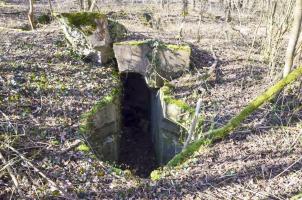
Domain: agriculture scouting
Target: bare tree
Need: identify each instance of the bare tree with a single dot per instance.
(50, 6)
(30, 14)
(185, 9)
(292, 43)
(92, 5)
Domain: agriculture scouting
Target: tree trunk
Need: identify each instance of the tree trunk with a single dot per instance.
(220, 133)
(81, 2)
(290, 52)
(92, 5)
(30, 14)
(185, 9)
(50, 7)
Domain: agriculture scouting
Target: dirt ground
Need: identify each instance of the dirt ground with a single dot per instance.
(45, 87)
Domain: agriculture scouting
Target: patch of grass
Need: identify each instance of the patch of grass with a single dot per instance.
(44, 19)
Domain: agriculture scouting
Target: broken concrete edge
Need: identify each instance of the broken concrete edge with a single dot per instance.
(168, 98)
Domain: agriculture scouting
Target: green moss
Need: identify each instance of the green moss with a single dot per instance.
(155, 175)
(175, 47)
(83, 20)
(83, 148)
(44, 19)
(297, 197)
(133, 42)
(117, 171)
(186, 153)
(166, 90)
(79, 19)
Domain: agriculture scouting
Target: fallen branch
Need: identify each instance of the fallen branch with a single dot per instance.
(220, 133)
(67, 196)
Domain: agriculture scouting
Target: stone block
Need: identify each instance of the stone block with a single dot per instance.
(156, 61)
(91, 34)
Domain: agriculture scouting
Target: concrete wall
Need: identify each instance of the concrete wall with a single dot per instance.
(105, 135)
(165, 132)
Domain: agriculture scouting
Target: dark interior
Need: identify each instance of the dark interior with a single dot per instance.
(136, 150)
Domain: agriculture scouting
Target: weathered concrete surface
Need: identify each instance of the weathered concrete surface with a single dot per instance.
(91, 34)
(174, 60)
(156, 61)
(133, 57)
(166, 132)
(104, 130)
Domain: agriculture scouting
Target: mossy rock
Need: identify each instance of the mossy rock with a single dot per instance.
(81, 19)
(91, 34)
(86, 22)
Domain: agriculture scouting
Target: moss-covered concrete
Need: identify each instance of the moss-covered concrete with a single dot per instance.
(101, 126)
(91, 34)
(168, 98)
(180, 47)
(80, 19)
(133, 42)
(86, 119)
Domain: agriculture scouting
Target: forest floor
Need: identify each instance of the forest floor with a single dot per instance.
(45, 87)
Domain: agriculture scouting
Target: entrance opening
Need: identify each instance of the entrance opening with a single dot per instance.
(136, 148)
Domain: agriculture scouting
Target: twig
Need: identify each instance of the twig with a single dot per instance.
(12, 175)
(287, 168)
(67, 196)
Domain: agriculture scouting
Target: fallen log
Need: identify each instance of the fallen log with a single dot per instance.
(220, 133)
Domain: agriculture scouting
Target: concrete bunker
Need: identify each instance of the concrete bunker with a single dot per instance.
(140, 126)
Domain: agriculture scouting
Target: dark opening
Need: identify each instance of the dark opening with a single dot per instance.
(136, 149)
